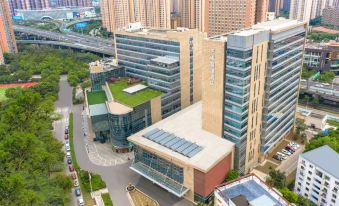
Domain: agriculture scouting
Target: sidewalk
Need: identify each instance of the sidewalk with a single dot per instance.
(101, 153)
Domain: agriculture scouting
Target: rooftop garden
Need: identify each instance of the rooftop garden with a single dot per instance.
(131, 100)
(98, 97)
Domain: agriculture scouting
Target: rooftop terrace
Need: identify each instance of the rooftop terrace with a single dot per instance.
(131, 100)
(253, 190)
(98, 97)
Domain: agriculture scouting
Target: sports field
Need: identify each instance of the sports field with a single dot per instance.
(4, 87)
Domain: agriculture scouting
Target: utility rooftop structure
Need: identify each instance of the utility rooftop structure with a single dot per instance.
(181, 157)
(248, 191)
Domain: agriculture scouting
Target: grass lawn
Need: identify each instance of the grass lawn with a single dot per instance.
(2, 94)
(107, 199)
(98, 97)
(131, 100)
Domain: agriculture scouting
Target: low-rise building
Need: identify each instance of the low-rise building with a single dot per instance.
(331, 16)
(317, 176)
(322, 56)
(181, 157)
(122, 108)
(248, 191)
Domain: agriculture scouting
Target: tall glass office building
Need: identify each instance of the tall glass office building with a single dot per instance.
(261, 69)
(162, 58)
(284, 65)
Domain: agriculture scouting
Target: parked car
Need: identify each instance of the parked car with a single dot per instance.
(76, 183)
(282, 155)
(66, 142)
(71, 168)
(68, 154)
(69, 161)
(292, 147)
(277, 157)
(66, 130)
(66, 137)
(289, 149)
(81, 201)
(77, 192)
(295, 144)
(285, 152)
(74, 175)
(68, 148)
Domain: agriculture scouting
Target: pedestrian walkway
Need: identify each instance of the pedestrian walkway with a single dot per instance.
(101, 153)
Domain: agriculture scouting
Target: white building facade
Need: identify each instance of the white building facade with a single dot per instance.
(317, 177)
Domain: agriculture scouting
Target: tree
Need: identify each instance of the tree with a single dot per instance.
(289, 195)
(276, 179)
(232, 175)
(300, 127)
(302, 201)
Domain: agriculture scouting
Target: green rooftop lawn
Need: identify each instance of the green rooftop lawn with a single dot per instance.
(98, 97)
(131, 100)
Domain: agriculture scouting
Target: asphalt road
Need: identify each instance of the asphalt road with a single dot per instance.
(116, 177)
(63, 107)
(72, 37)
(317, 84)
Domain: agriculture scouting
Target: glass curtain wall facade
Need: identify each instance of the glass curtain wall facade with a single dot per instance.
(237, 88)
(159, 164)
(285, 57)
(140, 57)
(122, 126)
(164, 75)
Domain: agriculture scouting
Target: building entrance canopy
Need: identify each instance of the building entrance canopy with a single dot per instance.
(165, 182)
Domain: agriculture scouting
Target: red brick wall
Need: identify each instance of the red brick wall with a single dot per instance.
(204, 183)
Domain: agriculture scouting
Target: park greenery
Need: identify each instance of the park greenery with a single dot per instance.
(307, 73)
(331, 139)
(45, 25)
(327, 77)
(31, 159)
(93, 28)
(322, 36)
(324, 77)
(45, 60)
(277, 179)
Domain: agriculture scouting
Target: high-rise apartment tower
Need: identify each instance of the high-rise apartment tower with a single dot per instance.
(7, 38)
(150, 13)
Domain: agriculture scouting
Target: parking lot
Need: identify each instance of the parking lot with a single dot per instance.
(287, 165)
